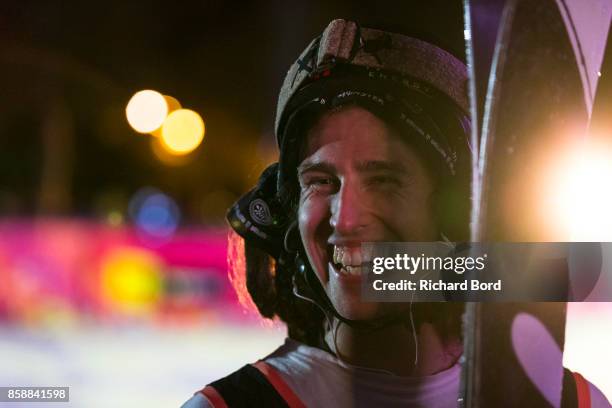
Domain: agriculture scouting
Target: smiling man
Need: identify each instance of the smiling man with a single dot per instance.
(372, 129)
(359, 182)
(373, 135)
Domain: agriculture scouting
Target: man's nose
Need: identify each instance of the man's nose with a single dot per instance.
(348, 215)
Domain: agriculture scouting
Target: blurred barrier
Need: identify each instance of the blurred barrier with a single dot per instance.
(60, 270)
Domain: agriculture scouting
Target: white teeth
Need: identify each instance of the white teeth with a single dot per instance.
(351, 270)
(337, 254)
(349, 258)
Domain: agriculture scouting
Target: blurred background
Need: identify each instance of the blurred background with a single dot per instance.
(113, 244)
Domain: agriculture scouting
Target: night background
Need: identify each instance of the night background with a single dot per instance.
(69, 69)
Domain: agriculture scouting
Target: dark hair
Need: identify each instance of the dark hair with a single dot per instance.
(271, 286)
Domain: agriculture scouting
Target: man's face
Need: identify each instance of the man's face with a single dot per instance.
(359, 182)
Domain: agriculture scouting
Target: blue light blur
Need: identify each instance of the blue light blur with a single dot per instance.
(154, 213)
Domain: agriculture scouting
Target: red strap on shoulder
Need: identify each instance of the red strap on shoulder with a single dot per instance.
(582, 391)
(279, 384)
(216, 400)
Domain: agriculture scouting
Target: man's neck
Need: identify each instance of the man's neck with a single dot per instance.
(393, 349)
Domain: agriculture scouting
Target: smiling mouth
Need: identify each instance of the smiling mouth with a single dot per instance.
(347, 260)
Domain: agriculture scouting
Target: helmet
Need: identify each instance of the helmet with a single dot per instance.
(418, 88)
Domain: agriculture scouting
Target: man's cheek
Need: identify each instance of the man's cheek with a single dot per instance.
(312, 211)
(303, 215)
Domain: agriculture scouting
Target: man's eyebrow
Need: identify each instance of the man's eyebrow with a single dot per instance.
(307, 166)
(381, 165)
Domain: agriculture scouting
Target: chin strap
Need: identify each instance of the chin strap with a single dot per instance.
(319, 298)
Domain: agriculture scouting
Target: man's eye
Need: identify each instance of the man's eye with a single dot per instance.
(322, 181)
(384, 180)
(318, 183)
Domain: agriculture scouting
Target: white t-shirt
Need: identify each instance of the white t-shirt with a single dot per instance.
(321, 380)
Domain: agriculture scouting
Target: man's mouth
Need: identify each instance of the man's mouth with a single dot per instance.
(347, 260)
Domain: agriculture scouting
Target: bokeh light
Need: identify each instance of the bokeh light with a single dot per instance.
(182, 131)
(146, 111)
(581, 193)
(155, 214)
(132, 280)
(172, 104)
